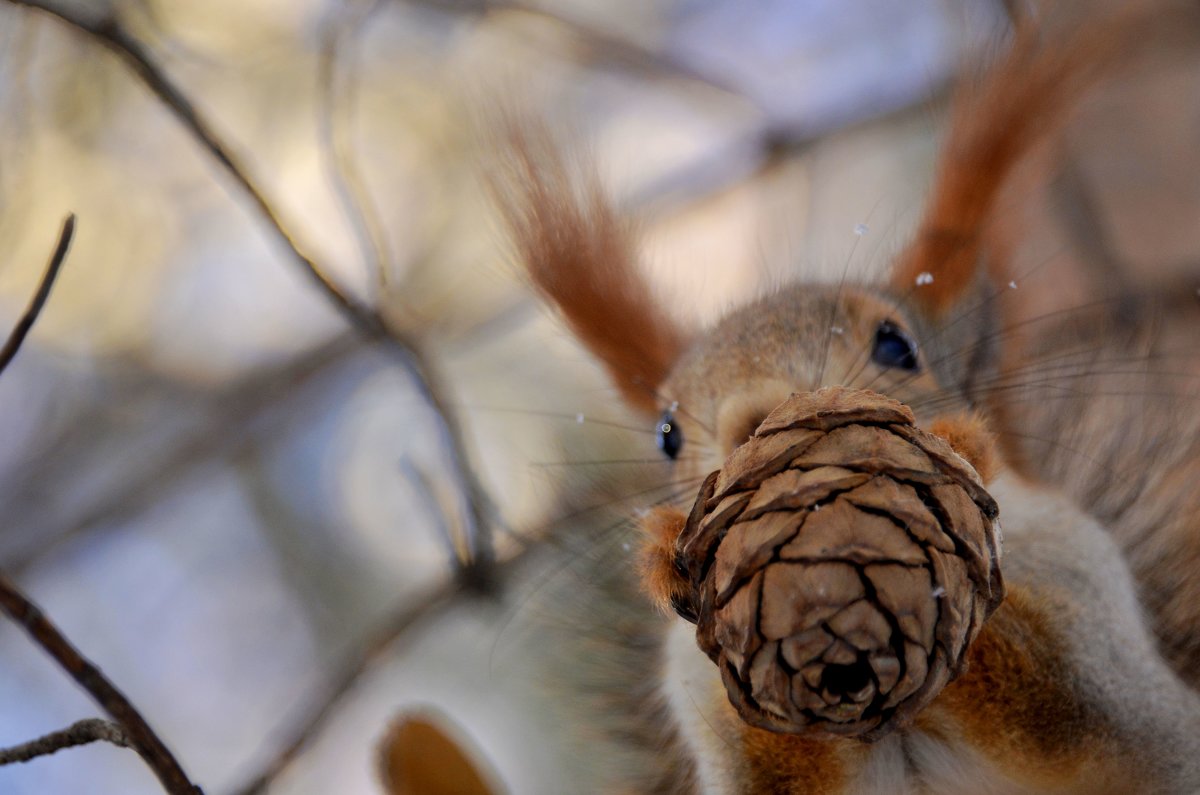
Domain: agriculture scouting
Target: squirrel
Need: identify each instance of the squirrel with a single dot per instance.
(1065, 397)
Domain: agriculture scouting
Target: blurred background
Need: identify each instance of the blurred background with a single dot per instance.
(224, 494)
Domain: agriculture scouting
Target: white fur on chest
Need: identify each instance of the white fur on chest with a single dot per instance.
(914, 762)
(691, 682)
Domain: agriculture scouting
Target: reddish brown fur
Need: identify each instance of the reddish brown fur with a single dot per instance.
(1016, 704)
(971, 438)
(660, 530)
(582, 258)
(789, 764)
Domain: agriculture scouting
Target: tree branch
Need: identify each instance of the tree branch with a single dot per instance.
(21, 329)
(91, 730)
(108, 31)
(142, 738)
(42, 631)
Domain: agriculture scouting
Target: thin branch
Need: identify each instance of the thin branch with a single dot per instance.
(84, 732)
(142, 738)
(42, 631)
(21, 329)
(108, 31)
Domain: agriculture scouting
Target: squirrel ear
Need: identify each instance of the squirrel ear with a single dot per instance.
(1028, 94)
(582, 257)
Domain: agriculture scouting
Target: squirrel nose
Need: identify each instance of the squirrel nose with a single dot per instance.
(739, 414)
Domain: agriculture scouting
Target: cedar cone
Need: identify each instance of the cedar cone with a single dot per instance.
(839, 564)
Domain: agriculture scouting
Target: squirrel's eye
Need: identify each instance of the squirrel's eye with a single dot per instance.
(893, 348)
(668, 436)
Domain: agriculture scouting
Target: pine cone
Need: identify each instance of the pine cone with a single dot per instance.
(840, 564)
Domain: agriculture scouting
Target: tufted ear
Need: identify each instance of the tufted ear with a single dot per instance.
(995, 122)
(582, 258)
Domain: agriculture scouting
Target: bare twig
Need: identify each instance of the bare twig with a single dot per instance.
(90, 730)
(136, 732)
(21, 610)
(108, 31)
(21, 329)
(142, 738)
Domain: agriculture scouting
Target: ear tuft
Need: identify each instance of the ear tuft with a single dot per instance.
(995, 122)
(582, 258)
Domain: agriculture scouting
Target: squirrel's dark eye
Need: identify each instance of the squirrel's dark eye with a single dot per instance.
(893, 348)
(668, 435)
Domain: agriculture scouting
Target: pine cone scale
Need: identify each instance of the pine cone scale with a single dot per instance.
(751, 549)
(826, 410)
(795, 489)
(805, 596)
(901, 502)
(750, 464)
(853, 535)
(870, 450)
